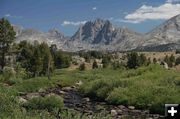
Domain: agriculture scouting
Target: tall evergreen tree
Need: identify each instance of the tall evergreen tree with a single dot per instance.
(7, 36)
(133, 60)
(95, 65)
(105, 61)
(48, 63)
(36, 62)
(177, 61)
(142, 59)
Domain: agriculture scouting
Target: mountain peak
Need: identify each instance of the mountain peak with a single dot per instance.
(102, 35)
(56, 33)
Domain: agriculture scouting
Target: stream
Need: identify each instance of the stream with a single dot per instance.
(74, 100)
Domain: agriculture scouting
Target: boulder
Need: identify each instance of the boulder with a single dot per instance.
(113, 112)
(62, 92)
(131, 107)
(86, 99)
(119, 111)
(165, 65)
(41, 90)
(22, 100)
(67, 88)
(32, 95)
(121, 106)
(50, 94)
(79, 83)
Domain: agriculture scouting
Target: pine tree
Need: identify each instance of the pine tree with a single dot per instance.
(95, 65)
(177, 61)
(7, 36)
(105, 61)
(82, 67)
(48, 64)
(154, 60)
(142, 60)
(172, 58)
(133, 60)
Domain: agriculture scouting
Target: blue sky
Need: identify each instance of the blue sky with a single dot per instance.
(67, 15)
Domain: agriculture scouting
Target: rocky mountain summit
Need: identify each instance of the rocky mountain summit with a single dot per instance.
(53, 36)
(103, 35)
(166, 36)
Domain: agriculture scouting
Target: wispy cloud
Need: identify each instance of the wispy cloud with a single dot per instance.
(12, 16)
(94, 8)
(7, 15)
(66, 23)
(111, 18)
(164, 11)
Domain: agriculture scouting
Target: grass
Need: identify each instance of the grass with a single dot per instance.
(50, 103)
(41, 107)
(34, 84)
(145, 88)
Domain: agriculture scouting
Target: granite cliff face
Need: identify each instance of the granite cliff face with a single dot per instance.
(165, 36)
(102, 35)
(53, 36)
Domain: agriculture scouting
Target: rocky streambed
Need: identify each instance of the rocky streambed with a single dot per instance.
(74, 100)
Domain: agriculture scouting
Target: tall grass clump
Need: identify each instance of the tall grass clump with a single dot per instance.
(52, 103)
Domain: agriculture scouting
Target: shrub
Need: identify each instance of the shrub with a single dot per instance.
(8, 105)
(50, 103)
(144, 87)
(177, 61)
(105, 61)
(34, 84)
(118, 65)
(178, 51)
(82, 67)
(8, 73)
(95, 65)
(170, 60)
(133, 60)
(154, 60)
(62, 59)
(21, 72)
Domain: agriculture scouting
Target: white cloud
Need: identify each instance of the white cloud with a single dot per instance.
(94, 8)
(7, 15)
(65, 23)
(165, 11)
(12, 16)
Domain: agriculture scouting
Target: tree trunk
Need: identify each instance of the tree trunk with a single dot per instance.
(48, 70)
(3, 60)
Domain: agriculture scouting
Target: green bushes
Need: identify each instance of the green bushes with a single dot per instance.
(8, 105)
(61, 59)
(144, 88)
(95, 65)
(8, 73)
(34, 84)
(36, 59)
(170, 60)
(82, 67)
(178, 51)
(50, 103)
(134, 60)
(177, 61)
